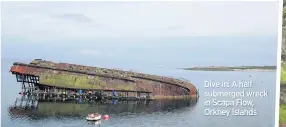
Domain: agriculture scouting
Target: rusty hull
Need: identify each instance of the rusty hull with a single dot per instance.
(86, 77)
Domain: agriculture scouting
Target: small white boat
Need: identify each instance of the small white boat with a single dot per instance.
(93, 117)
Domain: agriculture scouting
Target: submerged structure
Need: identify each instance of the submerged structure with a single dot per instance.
(40, 109)
(47, 76)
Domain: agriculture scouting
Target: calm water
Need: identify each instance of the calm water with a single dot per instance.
(155, 114)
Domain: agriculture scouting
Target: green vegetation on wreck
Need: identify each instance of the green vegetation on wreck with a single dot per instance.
(238, 68)
(78, 82)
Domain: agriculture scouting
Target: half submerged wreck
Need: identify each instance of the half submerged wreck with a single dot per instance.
(47, 76)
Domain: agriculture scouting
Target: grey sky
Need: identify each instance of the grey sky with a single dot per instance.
(75, 20)
(125, 34)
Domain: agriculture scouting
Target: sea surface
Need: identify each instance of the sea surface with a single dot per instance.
(162, 113)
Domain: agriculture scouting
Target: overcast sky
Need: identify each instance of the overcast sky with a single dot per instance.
(61, 20)
(179, 34)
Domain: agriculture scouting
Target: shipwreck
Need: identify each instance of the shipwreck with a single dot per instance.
(58, 79)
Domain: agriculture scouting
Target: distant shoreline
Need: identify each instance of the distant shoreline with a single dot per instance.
(238, 68)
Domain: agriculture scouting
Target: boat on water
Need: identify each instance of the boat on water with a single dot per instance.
(93, 117)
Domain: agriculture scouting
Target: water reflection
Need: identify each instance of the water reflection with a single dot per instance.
(29, 108)
(96, 123)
